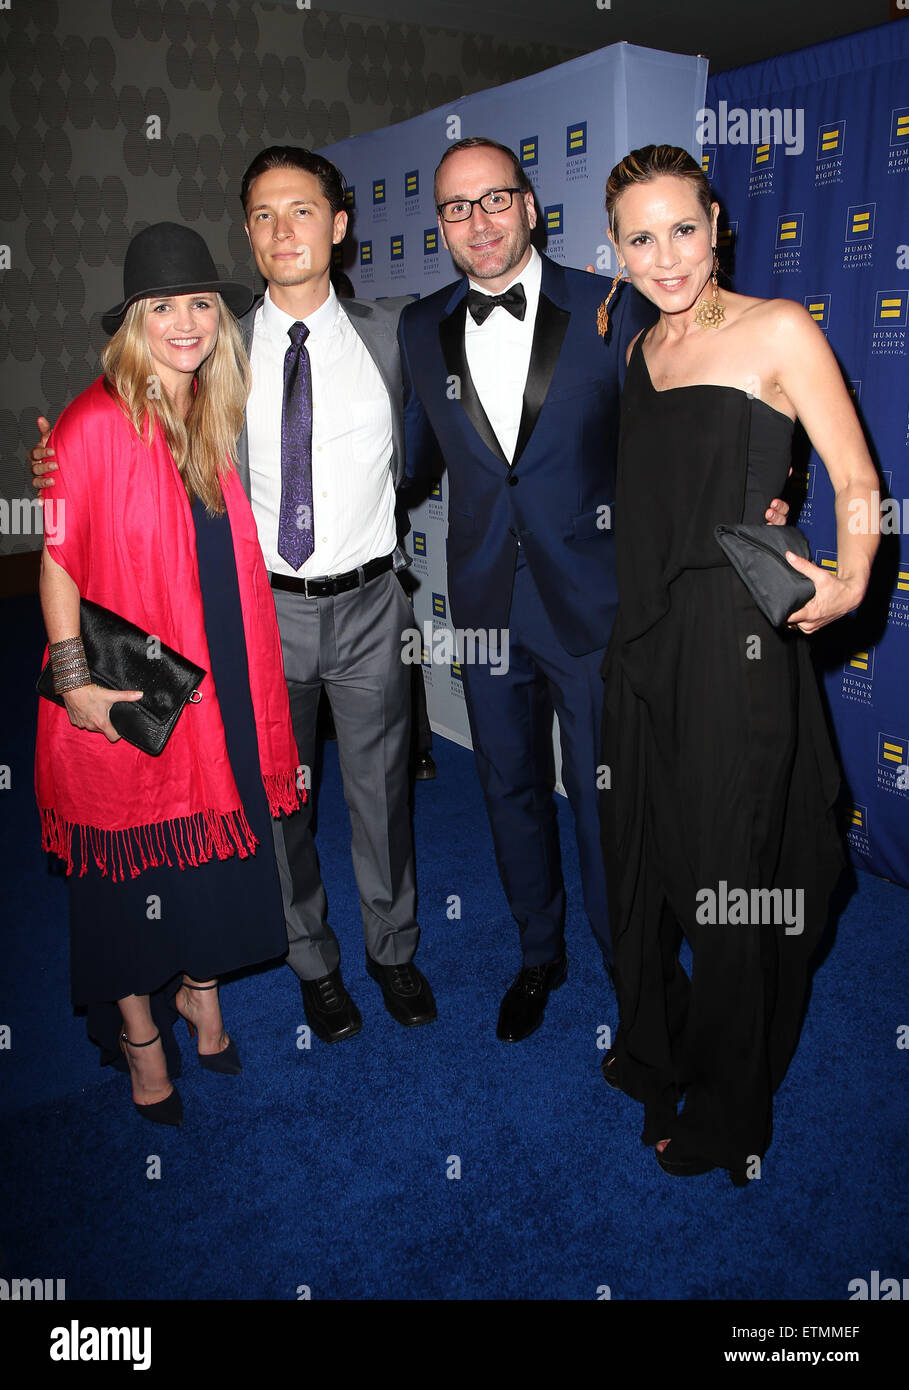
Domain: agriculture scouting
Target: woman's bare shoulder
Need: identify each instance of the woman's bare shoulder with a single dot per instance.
(773, 314)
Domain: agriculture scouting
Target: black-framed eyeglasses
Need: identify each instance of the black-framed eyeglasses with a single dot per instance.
(460, 209)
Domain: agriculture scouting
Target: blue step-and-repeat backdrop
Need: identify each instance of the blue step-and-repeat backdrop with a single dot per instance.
(809, 155)
(817, 209)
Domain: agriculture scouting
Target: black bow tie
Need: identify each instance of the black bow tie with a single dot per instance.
(481, 305)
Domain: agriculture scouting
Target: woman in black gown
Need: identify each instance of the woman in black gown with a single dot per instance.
(173, 877)
(722, 773)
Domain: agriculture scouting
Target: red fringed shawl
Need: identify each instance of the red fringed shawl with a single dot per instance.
(122, 529)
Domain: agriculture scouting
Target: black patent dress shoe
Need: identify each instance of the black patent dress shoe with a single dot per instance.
(330, 1012)
(406, 992)
(424, 767)
(522, 1009)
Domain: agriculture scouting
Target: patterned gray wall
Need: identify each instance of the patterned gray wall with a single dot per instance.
(80, 81)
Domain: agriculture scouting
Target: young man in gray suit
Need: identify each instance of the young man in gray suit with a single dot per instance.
(340, 608)
(320, 456)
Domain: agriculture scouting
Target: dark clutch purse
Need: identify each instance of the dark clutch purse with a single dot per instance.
(119, 656)
(758, 555)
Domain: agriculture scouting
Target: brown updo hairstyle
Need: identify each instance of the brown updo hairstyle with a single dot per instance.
(652, 162)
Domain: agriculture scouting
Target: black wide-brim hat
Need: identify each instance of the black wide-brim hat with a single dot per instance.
(166, 259)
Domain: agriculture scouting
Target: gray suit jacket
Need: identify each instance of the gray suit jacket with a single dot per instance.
(377, 325)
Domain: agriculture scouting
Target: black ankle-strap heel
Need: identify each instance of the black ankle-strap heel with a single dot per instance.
(226, 1063)
(168, 1111)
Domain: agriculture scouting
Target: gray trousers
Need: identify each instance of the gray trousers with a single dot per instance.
(351, 645)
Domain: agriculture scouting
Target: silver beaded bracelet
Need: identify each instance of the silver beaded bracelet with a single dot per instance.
(68, 664)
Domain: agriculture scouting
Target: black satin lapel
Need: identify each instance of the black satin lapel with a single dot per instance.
(451, 336)
(548, 333)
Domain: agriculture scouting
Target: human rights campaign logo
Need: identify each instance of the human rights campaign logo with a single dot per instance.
(576, 138)
(431, 241)
(789, 229)
(726, 236)
(378, 191)
(435, 491)
(350, 197)
(553, 219)
(861, 664)
(803, 481)
(412, 183)
(419, 542)
(529, 151)
(365, 253)
(397, 248)
(858, 678)
(831, 139)
(892, 752)
(860, 222)
(899, 125)
(803, 484)
(708, 160)
(857, 828)
(818, 306)
(439, 606)
(762, 157)
(890, 308)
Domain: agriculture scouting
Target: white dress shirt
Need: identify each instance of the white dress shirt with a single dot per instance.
(498, 355)
(352, 487)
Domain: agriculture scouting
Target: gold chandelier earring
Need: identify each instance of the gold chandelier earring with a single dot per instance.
(710, 313)
(602, 314)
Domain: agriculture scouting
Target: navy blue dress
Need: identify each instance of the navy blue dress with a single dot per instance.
(215, 918)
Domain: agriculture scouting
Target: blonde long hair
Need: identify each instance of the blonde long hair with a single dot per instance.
(204, 445)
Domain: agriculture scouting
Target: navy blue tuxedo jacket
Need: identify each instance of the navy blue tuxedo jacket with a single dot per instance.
(557, 496)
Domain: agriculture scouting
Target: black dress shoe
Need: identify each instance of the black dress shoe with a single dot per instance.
(525, 1000)
(330, 1012)
(424, 767)
(406, 992)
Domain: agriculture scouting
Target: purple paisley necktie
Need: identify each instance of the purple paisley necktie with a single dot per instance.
(295, 524)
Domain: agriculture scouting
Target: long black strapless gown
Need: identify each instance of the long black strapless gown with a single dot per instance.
(722, 772)
(217, 917)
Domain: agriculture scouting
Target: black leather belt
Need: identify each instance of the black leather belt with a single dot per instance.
(331, 584)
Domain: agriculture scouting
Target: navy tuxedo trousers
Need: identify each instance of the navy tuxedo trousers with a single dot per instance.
(511, 724)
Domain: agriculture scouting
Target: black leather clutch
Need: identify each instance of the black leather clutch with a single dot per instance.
(758, 555)
(121, 656)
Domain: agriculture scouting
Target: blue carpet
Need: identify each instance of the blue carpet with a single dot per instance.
(328, 1167)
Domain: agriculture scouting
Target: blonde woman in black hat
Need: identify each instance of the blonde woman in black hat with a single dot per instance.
(172, 871)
